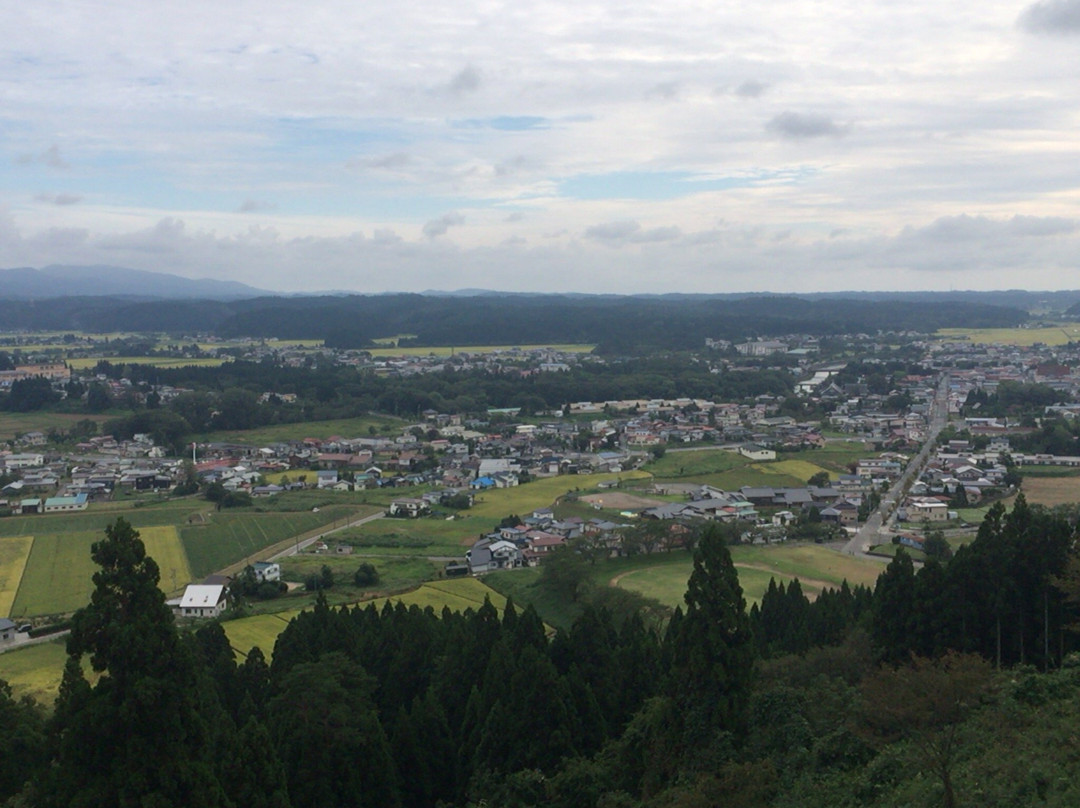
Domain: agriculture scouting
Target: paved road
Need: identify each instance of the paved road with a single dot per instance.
(304, 544)
(873, 529)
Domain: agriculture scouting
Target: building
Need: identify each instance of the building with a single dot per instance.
(202, 601)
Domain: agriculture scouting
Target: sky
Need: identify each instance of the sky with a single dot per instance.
(638, 146)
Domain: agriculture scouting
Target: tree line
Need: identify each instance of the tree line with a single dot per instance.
(883, 697)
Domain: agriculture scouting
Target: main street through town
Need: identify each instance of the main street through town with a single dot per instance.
(875, 529)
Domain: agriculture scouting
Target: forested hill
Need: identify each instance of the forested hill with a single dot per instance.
(616, 323)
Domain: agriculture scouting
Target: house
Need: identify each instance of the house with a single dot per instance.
(7, 631)
(59, 504)
(488, 554)
(266, 571)
(408, 507)
(756, 452)
(202, 601)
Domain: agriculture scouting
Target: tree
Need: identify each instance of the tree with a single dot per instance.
(819, 480)
(712, 653)
(138, 737)
(925, 702)
(366, 575)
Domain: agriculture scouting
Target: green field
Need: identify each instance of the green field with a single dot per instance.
(524, 499)
(58, 575)
(663, 576)
(395, 573)
(14, 553)
(425, 536)
(85, 363)
(344, 427)
(231, 537)
(164, 546)
(13, 424)
(730, 471)
(447, 350)
(35, 671)
(1054, 335)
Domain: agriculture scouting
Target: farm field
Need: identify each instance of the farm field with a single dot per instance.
(231, 537)
(84, 363)
(56, 568)
(441, 350)
(424, 536)
(523, 499)
(729, 470)
(36, 671)
(395, 573)
(1054, 335)
(1051, 490)
(345, 427)
(816, 567)
(13, 424)
(164, 546)
(13, 555)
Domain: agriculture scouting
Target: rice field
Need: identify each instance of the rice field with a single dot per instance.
(58, 574)
(13, 555)
(1053, 335)
(36, 670)
(446, 350)
(87, 362)
(524, 499)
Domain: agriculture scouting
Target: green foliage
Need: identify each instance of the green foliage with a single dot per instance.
(366, 575)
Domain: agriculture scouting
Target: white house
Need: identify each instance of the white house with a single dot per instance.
(203, 600)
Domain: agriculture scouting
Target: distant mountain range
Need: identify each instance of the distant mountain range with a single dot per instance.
(27, 283)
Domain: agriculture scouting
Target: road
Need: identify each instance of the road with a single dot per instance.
(873, 529)
(303, 544)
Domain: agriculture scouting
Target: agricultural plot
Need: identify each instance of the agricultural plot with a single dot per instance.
(13, 424)
(36, 671)
(96, 518)
(348, 427)
(230, 537)
(164, 546)
(799, 469)
(446, 350)
(84, 363)
(1051, 490)
(428, 537)
(1053, 335)
(524, 499)
(816, 567)
(13, 555)
(58, 574)
(394, 573)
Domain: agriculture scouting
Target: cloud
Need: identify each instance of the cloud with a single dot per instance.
(50, 157)
(438, 227)
(665, 90)
(751, 88)
(801, 125)
(631, 232)
(1051, 17)
(390, 161)
(59, 199)
(255, 206)
(467, 80)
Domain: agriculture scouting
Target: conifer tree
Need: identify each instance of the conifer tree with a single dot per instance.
(136, 737)
(712, 652)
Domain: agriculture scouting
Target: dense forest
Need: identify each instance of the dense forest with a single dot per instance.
(616, 324)
(954, 684)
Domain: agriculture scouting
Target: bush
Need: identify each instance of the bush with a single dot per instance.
(366, 575)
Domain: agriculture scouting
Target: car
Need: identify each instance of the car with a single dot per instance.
(25, 627)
